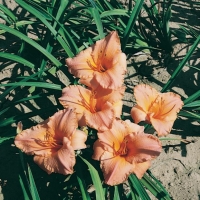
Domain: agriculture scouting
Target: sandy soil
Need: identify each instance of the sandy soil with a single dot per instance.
(178, 166)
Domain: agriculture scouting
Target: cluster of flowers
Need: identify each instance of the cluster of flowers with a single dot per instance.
(122, 147)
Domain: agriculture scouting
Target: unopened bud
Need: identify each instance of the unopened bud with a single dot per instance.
(84, 129)
(19, 127)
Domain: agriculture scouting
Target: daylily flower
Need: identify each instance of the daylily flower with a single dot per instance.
(53, 142)
(101, 64)
(96, 112)
(159, 109)
(125, 149)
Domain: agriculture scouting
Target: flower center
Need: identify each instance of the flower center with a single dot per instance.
(96, 66)
(48, 141)
(123, 148)
(157, 107)
(91, 105)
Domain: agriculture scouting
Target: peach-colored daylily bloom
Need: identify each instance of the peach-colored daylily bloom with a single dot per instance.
(101, 64)
(123, 150)
(159, 109)
(53, 142)
(96, 112)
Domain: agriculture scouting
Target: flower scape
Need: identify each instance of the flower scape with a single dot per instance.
(121, 146)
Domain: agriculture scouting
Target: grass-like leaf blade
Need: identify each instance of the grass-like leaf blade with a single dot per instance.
(3, 139)
(97, 19)
(36, 84)
(26, 197)
(16, 58)
(32, 43)
(189, 114)
(192, 97)
(81, 182)
(8, 13)
(154, 188)
(33, 188)
(114, 12)
(45, 22)
(96, 180)
(24, 116)
(131, 22)
(193, 104)
(139, 187)
(181, 65)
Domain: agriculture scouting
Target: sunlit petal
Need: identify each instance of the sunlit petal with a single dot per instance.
(78, 140)
(30, 140)
(53, 142)
(61, 161)
(106, 49)
(57, 123)
(115, 136)
(113, 96)
(47, 136)
(162, 127)
(99, 150)
(117, 107)
(141, 168)
(90, 82)
(116, 170)
(101, 120)
(80, 66)
(122, 149)
(138, 114)
(145, 95)
(158, 109)
(103, 64)
(77, 97)
(113, 78)
(142, 147)
(171, 105)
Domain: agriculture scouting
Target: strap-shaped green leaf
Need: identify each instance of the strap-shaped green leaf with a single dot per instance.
(96, 180)
(26, 197)
(20, 117)
(192, 104)
(33, 188)
(189, 114)
(139, 187)
(3, 139)
(97, 19)
(114, 12)
(153, 186)
(32, 43)
(181, 65)
(192, 97)
(8, 13)
(131, 22)
(36, 84)
(17, 59)
(81, 182)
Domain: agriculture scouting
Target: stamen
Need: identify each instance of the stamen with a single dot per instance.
(123, 149)
(162, 102)
(47, 142)
(92, 102)
(91, 105)
(98, 67)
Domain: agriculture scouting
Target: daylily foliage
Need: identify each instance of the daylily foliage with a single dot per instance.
(122, 147)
